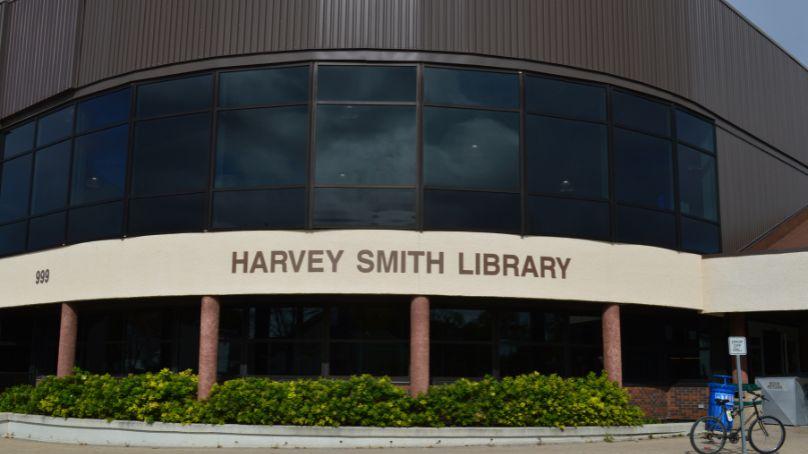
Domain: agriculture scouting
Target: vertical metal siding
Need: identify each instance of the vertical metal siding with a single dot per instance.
(39, 51)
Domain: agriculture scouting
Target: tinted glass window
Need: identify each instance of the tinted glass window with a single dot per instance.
(47, 231)
(171, 155)
(471, 149)
(700, 237)
(567, 157)
(471, 88)
(51, 173)
(55, 127)
(532, 326)
(278, 208)
(389, 321)
(351, 358)
(364, 207)
(471, 210)
(366, 83)
(175, 96)
(635, 225)
(285, 358)
(516, 358)
(695, 131)
(461, 325)
(183, 213)
(19, 140)
(95, 222)
(264, 87)
(270, 322)
(103, 111)
(643, 170)
(640, 113)
(460, 360)
(99, 166)
(556, 97)
(697, 187)
(12, 238)
(262, 147)
(365, 145)
(567, 217)
(15, 186)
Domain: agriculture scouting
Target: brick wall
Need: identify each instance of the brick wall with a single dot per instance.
(670, 402)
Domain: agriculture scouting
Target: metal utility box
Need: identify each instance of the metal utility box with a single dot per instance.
(788, 399)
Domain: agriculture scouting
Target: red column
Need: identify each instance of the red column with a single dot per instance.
(68, 331)
(419, 345)
(737, 327)
(208, 345)
(612, 346)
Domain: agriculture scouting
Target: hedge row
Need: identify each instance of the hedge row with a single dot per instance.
(526, 400)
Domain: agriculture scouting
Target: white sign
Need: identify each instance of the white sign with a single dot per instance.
(737, 346)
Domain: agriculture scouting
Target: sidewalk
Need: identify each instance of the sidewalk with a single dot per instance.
(796, 443)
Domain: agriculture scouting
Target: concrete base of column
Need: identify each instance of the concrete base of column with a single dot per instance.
(612, 344)
(68, 331)
(737, 327)
(208, 345)
(419, 345)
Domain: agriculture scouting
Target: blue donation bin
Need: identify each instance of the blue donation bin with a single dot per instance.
(723, 390)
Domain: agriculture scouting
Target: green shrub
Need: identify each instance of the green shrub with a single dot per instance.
(525, 400)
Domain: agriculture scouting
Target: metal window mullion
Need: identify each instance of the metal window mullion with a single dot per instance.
(676, 182)
(66, 207)
(27, 219)
(214, 134)
(522, 156)
(130, 151)
(419, 148)
(313, 75)
(611, 152)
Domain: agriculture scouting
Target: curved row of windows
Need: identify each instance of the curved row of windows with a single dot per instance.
(362, 146)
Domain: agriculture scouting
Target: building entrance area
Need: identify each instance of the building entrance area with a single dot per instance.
(774, 349)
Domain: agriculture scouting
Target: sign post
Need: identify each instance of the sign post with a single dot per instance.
(737, 347)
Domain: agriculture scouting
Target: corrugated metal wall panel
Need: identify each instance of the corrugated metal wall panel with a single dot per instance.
(757, 190)
(39, 51)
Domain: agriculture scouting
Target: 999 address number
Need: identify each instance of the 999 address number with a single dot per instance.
(42, 276)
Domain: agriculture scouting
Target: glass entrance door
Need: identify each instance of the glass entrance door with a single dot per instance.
(774, 350)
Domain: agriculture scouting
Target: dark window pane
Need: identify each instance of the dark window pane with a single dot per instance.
(515, 359)
(698, 194)
(175, 96)
(471, 88)
(51, 173)
(461, 325)
(567, 99)
(471, 149)
(364, 208)
(103, 111)
(296, 322)
(55, 127)
(19, 140)
(47, 231)
(638, 226)
(460, 360)
(640, 113)
(365, 145)
(352, 358)
(95, 222)
(276, 208)
(386, 322)
(567, 217)
(171, 155)
(586, 330)
(471, 210)
(167, 214)
(695, 131)
(366, 83)
(643, 170)
(12, 238)
(262, 147)
(99, 166)
(584, 360)
(567, 157)
(14, 188)
(701, 237)
(533, 326)
(264, 86)
(286, 358)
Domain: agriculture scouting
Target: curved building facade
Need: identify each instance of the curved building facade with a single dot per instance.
(421, 189)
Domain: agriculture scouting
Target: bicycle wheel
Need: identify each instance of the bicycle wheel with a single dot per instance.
(767, 434)
(708, 435)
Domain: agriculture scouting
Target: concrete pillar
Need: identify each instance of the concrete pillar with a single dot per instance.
(737, 327)
(419, 345)
(208, 345)
(68, 331)
(612, 345)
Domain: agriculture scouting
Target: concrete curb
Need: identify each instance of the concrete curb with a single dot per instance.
(167, 435)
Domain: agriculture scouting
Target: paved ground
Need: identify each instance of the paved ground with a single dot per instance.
(796, 443)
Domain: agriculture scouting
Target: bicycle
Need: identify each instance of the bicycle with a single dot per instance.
(766, 434)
